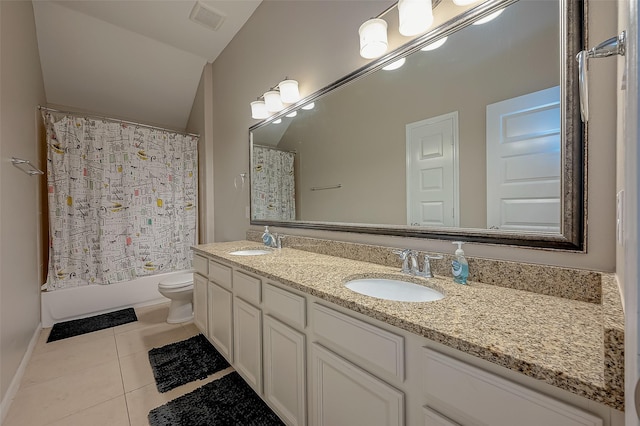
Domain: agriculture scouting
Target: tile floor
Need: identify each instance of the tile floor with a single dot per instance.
(100, 378)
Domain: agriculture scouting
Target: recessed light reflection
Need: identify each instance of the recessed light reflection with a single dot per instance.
(278, 121)
(292, 114)
(395, 65)
(491, 17)
(435, 44)
(309, 106)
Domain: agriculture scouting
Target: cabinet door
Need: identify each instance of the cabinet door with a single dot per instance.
(285, 371)
(247, 343)
(200, 303)
(221, 320)
(343, 394)
(471, 396)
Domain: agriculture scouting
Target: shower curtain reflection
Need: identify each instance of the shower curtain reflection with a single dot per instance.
(122, 200)
(273, 189)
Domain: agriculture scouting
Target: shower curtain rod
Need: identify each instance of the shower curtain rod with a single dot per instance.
(117, 120)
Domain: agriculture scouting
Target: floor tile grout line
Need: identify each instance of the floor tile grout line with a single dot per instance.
(81, 410)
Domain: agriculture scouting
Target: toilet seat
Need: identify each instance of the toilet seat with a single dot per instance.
(176, 281)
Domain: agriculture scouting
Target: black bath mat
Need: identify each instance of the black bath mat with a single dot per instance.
(226, 401)
(63, 330)
(183, 362)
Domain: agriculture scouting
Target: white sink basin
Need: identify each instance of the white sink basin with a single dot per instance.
(251, 252)
(389, 289)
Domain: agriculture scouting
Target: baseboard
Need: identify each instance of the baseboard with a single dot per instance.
(17, 378)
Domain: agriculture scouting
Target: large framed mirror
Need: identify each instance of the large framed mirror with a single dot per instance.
(479, 139)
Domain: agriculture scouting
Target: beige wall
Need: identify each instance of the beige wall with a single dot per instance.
(22, 90)
(200, 123)
(316, 43)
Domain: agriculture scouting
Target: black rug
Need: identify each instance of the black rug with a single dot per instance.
(63, 330)
(183, 362)
(226, 401)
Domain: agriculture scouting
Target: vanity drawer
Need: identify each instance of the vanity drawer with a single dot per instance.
(467, 394)
(351, 337)
(220, 274)
(285, 306)
(246, 287)
(201, 265)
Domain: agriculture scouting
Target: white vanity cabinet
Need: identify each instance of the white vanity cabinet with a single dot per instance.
(342, 393)
(200, 264)
(212, 301)
(247, 329)
(316, 363)
(285, 367)
(221, 320)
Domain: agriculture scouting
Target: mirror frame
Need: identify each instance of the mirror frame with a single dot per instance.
(573, 233)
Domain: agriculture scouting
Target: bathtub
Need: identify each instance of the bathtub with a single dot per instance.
(78, 302)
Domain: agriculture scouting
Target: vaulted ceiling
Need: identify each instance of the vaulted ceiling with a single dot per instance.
(136, 60)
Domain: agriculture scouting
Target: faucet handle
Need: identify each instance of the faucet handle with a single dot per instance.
(402, 253)
(427, 265)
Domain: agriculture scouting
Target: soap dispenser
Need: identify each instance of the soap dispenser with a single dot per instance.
(267, 237)
(460, 266)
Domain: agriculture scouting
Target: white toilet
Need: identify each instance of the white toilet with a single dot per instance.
(178, 288)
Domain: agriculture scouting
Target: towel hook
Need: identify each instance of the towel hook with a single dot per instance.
(613, 46)
(26, 166)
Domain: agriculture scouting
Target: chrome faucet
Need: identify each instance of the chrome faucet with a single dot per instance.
(279, 239)
(409, 261)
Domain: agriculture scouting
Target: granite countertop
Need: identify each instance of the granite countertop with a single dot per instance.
(573, 345)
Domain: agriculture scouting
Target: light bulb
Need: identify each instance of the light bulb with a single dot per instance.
(395, 65)
(309, 106)
(416, 16)
(259, 110)
(272, 101)
(373, 38)
(434, 45)
(489, 18)
(289, 91)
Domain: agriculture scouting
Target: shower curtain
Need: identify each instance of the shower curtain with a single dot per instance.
(122, 200)
(273, 189)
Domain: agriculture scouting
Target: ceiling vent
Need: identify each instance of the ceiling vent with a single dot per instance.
(207, 16)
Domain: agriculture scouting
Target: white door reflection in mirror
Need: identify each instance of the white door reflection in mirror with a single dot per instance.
(523, 163)
(432, 171)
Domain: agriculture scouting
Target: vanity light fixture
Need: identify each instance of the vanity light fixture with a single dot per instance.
(276, 99)
(292, 114)
(278, 121)
(395, 65)
(416, 16)
(435, 44)
(488, 18)
(309, 106)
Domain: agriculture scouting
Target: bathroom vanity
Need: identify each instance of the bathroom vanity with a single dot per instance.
(321, 354)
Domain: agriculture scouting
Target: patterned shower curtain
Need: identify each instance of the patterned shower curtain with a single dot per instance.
(122, 200)
(273, 189)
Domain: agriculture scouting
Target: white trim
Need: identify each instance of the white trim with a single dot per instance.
(17, 377)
